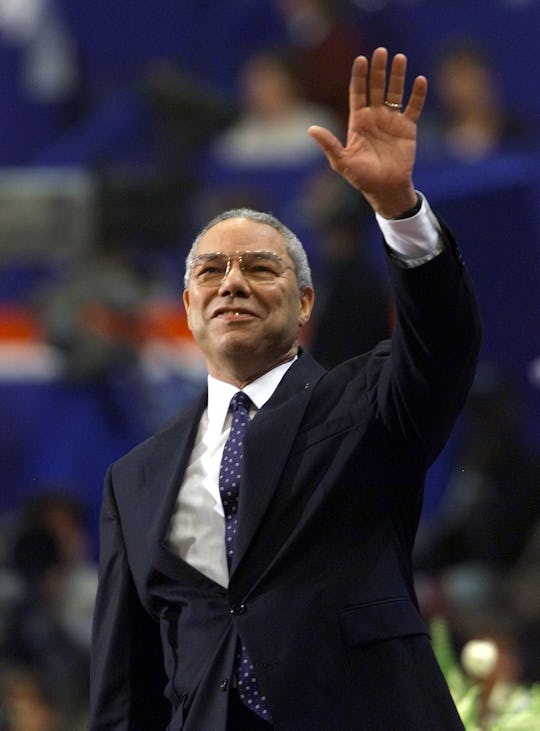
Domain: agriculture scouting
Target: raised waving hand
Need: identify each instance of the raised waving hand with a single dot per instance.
(380, 151)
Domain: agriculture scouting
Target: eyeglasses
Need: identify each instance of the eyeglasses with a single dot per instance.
(258, 267)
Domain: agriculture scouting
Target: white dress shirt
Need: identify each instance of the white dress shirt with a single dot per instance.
(197, 531)
(197, 528)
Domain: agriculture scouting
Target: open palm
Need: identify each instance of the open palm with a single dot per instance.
(380, 151)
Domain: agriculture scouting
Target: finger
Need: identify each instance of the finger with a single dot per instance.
(417, 99)
(358, 84)
(377, 77)
(328, 143)
(396, 83)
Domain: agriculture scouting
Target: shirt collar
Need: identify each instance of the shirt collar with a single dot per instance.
(259, 391)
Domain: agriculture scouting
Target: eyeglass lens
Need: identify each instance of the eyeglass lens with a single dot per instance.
(256, 266)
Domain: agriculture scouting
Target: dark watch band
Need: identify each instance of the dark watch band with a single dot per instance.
(412, 211)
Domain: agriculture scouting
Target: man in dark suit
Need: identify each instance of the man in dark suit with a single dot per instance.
(314, 589)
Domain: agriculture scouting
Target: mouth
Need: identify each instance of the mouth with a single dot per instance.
(233, 314)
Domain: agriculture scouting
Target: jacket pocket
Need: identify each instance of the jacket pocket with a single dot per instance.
(381, 620)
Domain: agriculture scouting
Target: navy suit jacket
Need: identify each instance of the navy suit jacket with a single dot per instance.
(321, 586)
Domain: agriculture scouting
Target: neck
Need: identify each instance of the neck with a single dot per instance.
(241, 375)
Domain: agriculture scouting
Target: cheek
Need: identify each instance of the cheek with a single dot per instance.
(290, 312)
(194, 312)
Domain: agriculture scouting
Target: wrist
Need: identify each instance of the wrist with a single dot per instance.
(402, 204)
(410, 212)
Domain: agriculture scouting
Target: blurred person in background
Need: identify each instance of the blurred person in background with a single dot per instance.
(324, 36)
(471, 120)
(353, 310)
(102, 317)
(91, 314)
(47, 624)
(520, 593)
(476, 546)
(27, 703)
(273, 116)
(40, 77)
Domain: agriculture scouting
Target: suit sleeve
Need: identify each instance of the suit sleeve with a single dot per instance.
(127, 676)
(428, 372)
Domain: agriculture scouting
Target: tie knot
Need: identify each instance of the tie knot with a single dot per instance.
(240, 402)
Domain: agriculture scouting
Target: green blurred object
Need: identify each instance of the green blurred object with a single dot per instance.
(518, 711)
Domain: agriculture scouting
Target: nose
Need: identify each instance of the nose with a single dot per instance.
(234, 282)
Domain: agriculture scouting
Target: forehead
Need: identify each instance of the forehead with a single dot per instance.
(238, 234)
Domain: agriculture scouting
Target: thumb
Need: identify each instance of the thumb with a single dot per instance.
(328, 143)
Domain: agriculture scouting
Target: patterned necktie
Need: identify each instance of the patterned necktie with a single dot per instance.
(229, 484)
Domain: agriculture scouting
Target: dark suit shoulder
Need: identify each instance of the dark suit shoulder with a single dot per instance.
(345, 389)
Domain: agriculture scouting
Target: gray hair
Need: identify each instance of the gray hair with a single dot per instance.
(294, 248)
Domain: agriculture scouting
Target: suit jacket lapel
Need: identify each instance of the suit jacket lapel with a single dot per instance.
(268, 443)
(167, 463)
(164, 474)
(266, 451)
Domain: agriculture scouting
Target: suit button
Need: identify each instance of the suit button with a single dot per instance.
(237, 609)
(224, 685)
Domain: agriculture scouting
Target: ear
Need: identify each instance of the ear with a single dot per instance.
(185, 300)
(307, 298)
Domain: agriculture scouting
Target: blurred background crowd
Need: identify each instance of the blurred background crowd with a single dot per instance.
(125, 125)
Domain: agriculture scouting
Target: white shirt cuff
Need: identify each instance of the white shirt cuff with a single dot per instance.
(413, 240)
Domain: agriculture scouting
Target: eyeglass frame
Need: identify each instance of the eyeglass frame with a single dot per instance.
(237, 256)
